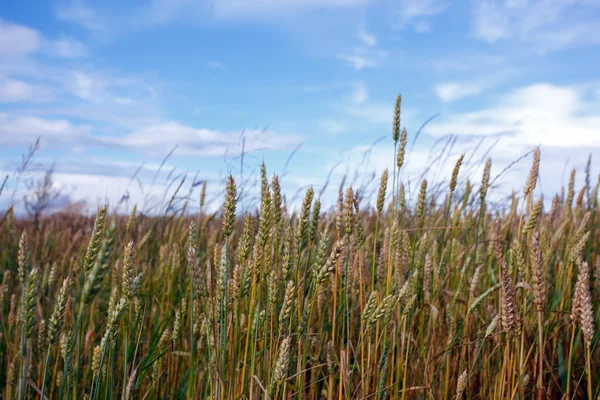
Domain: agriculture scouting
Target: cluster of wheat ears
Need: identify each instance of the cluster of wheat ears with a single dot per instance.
(448, 299)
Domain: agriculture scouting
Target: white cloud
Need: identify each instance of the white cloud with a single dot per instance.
(154, 139)
(548, 24)
(151, 139)
(84, 86)
(365, 37)
(358, 61)
(456, 90)
(451, 91)
(362, 57)
(66, 47)
(19, 130)
(17, 39)
(75, 11)
(541, 114)
(20, 40)
(417, 13)
(490, 24)
(13, 90)
(107, 89)
(366, 54)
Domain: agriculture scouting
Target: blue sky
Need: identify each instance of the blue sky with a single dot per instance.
(112, 86)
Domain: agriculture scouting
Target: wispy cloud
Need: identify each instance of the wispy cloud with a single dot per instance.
(365, 37)
(66, 47)
(451, 91)
(362, 108)
(418, 13)
(156, 138)
(19, 130)
(361, 58)
(460, 89)
(548, 24)
(366, 54)
(79, 13)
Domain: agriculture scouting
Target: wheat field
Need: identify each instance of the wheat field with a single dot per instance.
(446, 298)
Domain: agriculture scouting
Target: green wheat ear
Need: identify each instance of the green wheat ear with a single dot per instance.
(276, 201)
(57, 319)
(95, 240)
(30, 302)
(302, 231)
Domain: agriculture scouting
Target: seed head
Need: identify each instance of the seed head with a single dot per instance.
(329, 265)
(454, 179)
(281, 366)
(349, 211)
(245, 243)
(304, 215)
(510, 318)
(571, 190)
(586, 311)
(339, 212)
(288, 303)
(537, 269)
(277, 200)
(22, 256)
(578, 246)
(289, 253)
(127, 277)
(203, 194)
(534, 217)
(369, 307)
(396, 124)
(402, 197)
(533, 173)
(401, 150)
(460, 384)
(382, 190)
(131, 219)
(554, 209)
(314, 223)
(57, 319)
(485, 181)
(96, 239)
(29, 303)
(421, 201)
(229, 207)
